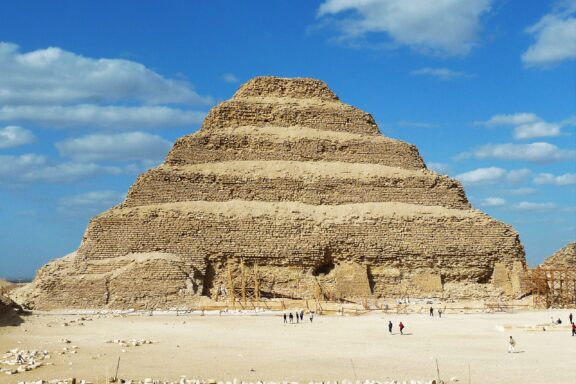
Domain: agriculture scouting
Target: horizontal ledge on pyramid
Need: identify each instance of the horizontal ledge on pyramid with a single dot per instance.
(289, 211)
(248, 169)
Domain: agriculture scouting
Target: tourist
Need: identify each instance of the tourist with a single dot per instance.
(439, 312)
(511, 345)
(401, 326)
(297, 317)
(311, 316)
(573, 329)
(558, 321)
(285, 321)
(302, 315)
(431, 312)
(291, 318)
(570, 317)
(390, 326)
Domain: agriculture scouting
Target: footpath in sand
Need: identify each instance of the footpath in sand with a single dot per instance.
(253, 348)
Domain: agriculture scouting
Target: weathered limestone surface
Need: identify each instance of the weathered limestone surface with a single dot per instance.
(286, 182)
(563, 258)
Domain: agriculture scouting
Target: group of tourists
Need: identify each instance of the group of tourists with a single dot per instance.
(400, 326)
(432, 312)
(298, 315)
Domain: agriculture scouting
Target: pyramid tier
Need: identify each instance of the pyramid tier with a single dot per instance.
(306, 182)
(294, 143)
(186, 248)
(321, 115)
(298, 88)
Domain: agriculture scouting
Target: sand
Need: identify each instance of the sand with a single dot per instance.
(332, 347)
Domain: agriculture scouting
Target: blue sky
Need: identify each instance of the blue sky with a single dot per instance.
(93, 93)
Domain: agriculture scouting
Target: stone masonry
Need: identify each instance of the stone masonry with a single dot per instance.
(302, 191)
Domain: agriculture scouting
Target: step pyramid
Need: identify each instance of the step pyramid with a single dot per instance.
(285, 192)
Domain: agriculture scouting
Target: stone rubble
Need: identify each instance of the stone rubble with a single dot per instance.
(17, 360)
(185, 380)
(130, 343)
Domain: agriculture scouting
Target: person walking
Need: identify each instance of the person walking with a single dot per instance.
(401, 326)
(285, 321)
(311, 316)
(390, 327)
(291, 317)
(297, 317)
(573, 329)
(440, 312)
(431, 312)
(511, 345)
(302, 315)
(570, 317)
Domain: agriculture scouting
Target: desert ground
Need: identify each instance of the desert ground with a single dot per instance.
(468, 347)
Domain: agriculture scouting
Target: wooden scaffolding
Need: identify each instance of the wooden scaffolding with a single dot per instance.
(247, 289)
(554, 287)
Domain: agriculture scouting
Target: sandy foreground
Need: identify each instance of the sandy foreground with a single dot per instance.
(261, 347)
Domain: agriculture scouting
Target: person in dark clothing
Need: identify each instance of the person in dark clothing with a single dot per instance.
(390, 326)
(291, 316)
(570, 317)
(297, 317)
(431, 312)
(401, 328)
(302, 315)
(285, 321)
(573, 329)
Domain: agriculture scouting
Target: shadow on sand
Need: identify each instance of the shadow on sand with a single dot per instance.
(11, 314)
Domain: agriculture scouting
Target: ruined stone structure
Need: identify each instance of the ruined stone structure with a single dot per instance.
(285, 192)
(554, 281)
(563, 258)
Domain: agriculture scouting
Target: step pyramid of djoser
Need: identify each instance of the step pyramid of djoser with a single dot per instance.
(292, 143)
(287, 178)
(409, 237)
(306, 182)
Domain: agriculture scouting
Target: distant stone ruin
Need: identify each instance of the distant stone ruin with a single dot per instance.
(285, 192)
(563, 258)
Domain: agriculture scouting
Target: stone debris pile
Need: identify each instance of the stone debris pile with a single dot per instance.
(21, 360)
(185, 380)
(130, 343)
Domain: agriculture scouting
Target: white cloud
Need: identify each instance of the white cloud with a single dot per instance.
(526, 125)
(440, 73)
(513, 119)
(115, 147)
(448, 27)
(88, 115)
(14, 136)
(534, 152)
(55, 76)
(438, 167)
(555, 36)
(493, 175)
(31, 168)
(493, 202)
(230, 78)
(89, 203)
(522, 191)
(548, 178)
(530, 206)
